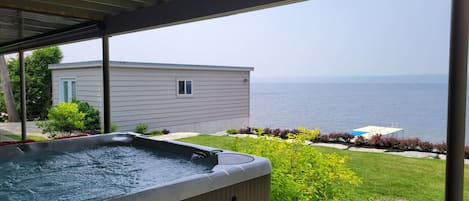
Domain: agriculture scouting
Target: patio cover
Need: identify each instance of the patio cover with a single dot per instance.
(28, 24)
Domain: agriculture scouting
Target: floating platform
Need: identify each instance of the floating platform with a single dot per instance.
(369, 131)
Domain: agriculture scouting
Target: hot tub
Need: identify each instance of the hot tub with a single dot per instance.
(127, 166)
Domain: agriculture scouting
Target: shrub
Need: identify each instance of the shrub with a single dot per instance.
(347, 137)
(165, 131)
(284, 133)
(360, 141)
(62, 119)
(276, 132)
(267, 131)
(114, 128)
(333, 137)
(309, 134)
(391, 142)
(91, 120)
(376, 140)
(301, 172)
(243, 131)
(232, 131)
(426, 146)
(258, 131)
(323, 138)
(409, 144)
(441, 147)
(156, 132)
(141, 128)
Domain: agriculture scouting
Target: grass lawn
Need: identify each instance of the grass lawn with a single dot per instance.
(384, 176)
(29, 137)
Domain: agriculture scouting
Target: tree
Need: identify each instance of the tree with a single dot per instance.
(10, 105)
(38, 81)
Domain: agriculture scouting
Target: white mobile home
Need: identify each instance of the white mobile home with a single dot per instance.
(177, 97)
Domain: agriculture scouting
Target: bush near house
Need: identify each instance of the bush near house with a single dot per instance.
(156, 133)
(91, 119)
(165, 131)
(114, 128)
(232, 131)
(62, 120)
(141, 128)
(299, 172)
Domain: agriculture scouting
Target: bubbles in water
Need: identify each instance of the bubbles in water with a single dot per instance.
(93, 174)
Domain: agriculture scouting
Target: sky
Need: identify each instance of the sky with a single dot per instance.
(308, 39)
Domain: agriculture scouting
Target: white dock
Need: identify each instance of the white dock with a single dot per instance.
(369, 131)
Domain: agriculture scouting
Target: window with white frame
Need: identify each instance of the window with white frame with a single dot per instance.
(67, 89)
(184, 87)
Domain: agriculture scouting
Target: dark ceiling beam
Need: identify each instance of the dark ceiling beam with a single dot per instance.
(34, 6)
(159, 15)
(124, 4)
(146, 3)
(13, 27)
(8, 20)
(84, 5)
(52, 18)
(181, 11)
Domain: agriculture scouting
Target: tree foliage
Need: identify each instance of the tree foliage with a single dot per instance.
(38, 80)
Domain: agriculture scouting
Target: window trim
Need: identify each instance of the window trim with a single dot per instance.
(185, 88)
(70, 89)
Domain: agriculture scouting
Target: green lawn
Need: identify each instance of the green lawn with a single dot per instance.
(384, 176)
(29, 137)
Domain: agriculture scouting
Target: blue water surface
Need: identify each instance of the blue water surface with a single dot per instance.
(337, 107)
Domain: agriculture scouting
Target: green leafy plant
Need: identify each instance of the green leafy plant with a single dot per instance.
(62, 119)
(91, 119)
(141, 128)
(114, 128)
(258, 131)
(156, 133)
(301, 172)
(232, 131)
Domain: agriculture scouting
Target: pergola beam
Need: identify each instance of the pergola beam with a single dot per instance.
(33, 6)
(159, 15)
(124, 4)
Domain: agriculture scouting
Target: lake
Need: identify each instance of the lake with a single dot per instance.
(420, 109)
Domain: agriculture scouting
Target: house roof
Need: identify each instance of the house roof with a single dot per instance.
(126, 64)
(29, 24)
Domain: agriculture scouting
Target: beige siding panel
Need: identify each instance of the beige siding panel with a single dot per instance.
(149, 96)
(129, 126)
(88, 85)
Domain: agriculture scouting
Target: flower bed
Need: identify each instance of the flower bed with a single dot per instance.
(376, 141)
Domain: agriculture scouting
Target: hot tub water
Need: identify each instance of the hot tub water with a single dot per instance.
(90, 174)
